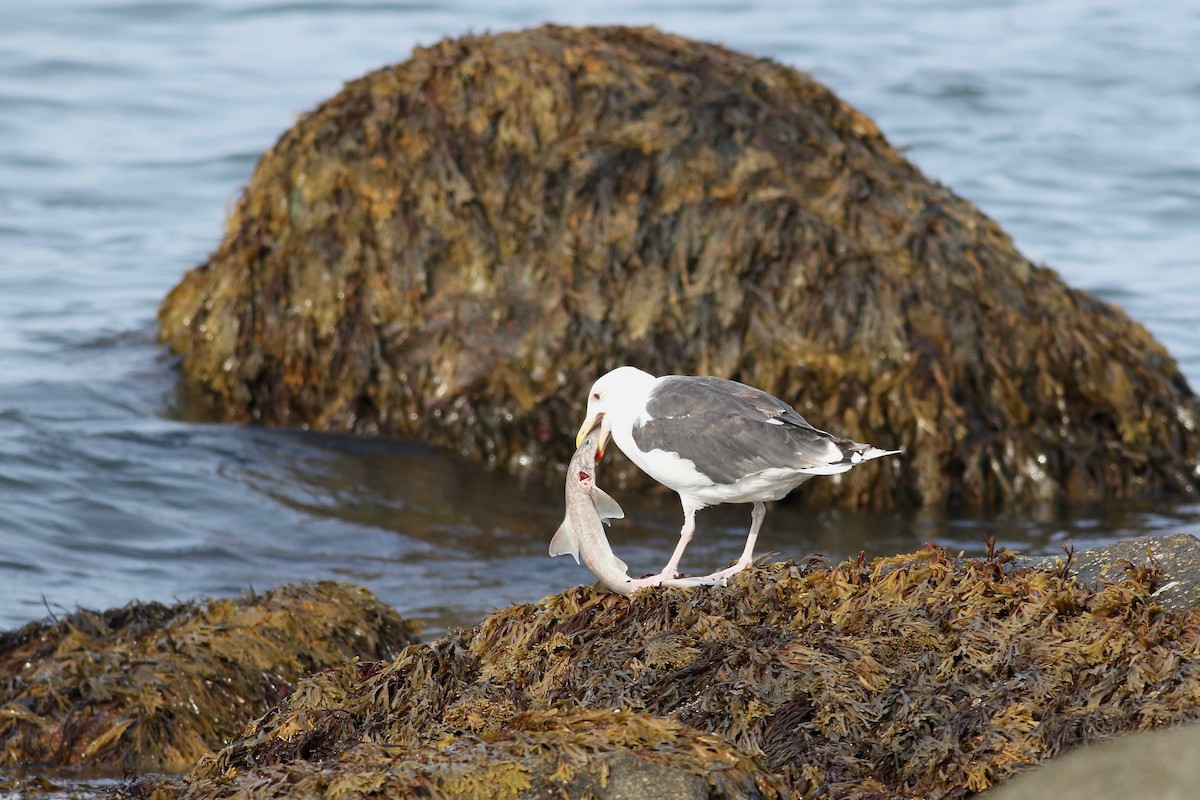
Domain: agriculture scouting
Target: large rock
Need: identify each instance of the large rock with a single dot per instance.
(153, 687)
(455, 247)
(906, 677)
(1160, 765)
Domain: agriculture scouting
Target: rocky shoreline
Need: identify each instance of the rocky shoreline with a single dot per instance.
(910, 676)
(452, 249)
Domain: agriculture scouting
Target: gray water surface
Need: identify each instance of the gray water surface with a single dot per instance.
(128, 128)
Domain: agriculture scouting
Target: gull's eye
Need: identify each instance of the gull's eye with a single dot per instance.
(595, 395)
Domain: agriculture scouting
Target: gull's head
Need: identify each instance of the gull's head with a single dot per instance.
(617, 394)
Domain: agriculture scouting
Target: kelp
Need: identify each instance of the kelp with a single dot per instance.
(454, 247)
(154, 687)
(919, 675)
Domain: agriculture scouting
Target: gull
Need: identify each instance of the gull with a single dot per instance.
(713, 441)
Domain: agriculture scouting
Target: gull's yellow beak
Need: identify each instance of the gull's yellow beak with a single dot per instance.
(590, 424)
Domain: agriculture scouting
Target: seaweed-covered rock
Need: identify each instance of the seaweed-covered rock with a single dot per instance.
(1175, 557)
(155, 687)
(455, 247)
(912, 676)
(539, 755)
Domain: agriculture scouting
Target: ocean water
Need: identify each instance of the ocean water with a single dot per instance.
(128, 128)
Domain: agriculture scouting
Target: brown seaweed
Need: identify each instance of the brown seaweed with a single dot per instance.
(154, 687)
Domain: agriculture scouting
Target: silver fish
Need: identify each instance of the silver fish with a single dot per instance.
(582, 531)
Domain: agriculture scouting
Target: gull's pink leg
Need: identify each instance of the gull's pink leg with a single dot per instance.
(747, 558)
(671, 569)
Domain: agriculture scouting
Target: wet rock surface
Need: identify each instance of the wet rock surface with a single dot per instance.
(154, 687)
(913, 676)
(453, 248)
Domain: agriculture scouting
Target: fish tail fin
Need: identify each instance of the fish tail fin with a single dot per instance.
(564, 542)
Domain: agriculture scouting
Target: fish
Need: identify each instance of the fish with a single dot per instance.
(589, 509)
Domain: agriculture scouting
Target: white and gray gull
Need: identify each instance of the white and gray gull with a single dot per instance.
(713, 441)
